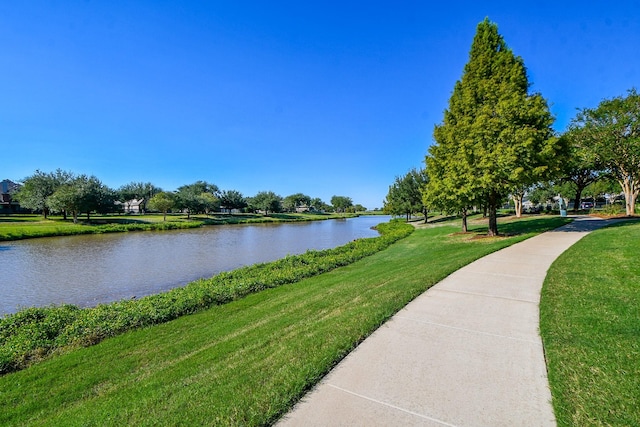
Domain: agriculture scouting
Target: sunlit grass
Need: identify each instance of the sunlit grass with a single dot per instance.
(590, 324)
(243, 363)
(16, 227)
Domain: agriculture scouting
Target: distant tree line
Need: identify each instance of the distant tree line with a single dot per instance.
(496, 144)
(66, 193)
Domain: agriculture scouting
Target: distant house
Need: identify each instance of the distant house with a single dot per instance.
(133, 206)
(303, 208)
(7, 204)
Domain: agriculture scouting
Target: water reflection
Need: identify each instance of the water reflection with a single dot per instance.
(87, 270)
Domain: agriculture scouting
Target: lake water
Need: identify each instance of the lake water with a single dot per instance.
(93, 269)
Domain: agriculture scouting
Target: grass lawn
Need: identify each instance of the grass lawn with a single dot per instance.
(249, 361)
(590, 324)
(15, 227)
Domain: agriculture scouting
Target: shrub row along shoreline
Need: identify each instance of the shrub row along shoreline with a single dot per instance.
(37, 333)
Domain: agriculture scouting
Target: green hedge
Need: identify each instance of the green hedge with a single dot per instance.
(36, 333)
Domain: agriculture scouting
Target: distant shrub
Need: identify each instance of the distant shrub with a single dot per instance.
(35, 333)
(612, 209)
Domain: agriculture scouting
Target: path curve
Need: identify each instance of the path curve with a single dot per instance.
(465, 353)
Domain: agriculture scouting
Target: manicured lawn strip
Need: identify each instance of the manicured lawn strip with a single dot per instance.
(12, 228)
(246, 362)
(36, 333)
(590, 325)
(17, 227)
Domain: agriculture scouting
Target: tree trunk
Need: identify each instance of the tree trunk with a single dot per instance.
(164, 218)
(426, 215)
(465, 228)
(626, 190)
(492, 206)
(64, 214)
(576, 203)
(75, 217)
(517, 202)
(631, 189)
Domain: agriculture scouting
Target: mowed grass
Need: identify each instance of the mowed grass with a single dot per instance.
(590, 324)
(249, 361)
(24, 226)
(16, 227)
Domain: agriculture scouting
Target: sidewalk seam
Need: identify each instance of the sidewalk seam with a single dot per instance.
(485, 295)
(471, 331)
(475, 273)
(392, 406)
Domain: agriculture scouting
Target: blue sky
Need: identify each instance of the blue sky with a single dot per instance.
(319, 97)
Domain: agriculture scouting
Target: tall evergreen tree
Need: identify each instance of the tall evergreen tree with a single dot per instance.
(495, 136)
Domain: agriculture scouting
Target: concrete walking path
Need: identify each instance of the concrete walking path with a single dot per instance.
(465, 353)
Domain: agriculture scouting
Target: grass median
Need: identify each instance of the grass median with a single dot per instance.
(246, 362)
(590, 325)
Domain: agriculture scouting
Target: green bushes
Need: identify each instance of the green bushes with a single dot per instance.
(35, 333)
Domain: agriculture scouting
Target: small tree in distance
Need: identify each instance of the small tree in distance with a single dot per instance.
(341, 203)
(39, 187)
(232, 199)
(162, 202)
(267, 201)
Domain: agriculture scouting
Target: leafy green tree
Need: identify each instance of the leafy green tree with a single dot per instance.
(582, 167)
(193, 198)
(232, 199)
(495, 136)
(294, 201)
(138, 190)
(405, 194)
(611, 133)
(162, 202)
(341, 203)
(210, 203)
(359, 208)
(65, 199)
(319, 205)
(542, 193)
(82, 194)
(601, 188)
(105, 200)
(451, 188)
(267, 201)
(37, 188)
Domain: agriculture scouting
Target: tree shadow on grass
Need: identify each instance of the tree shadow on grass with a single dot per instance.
(111, 221)
(518, 227)
(586, 224)
(23, 218)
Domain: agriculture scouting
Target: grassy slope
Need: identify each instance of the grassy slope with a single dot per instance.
(244, 363)
(590, 323)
